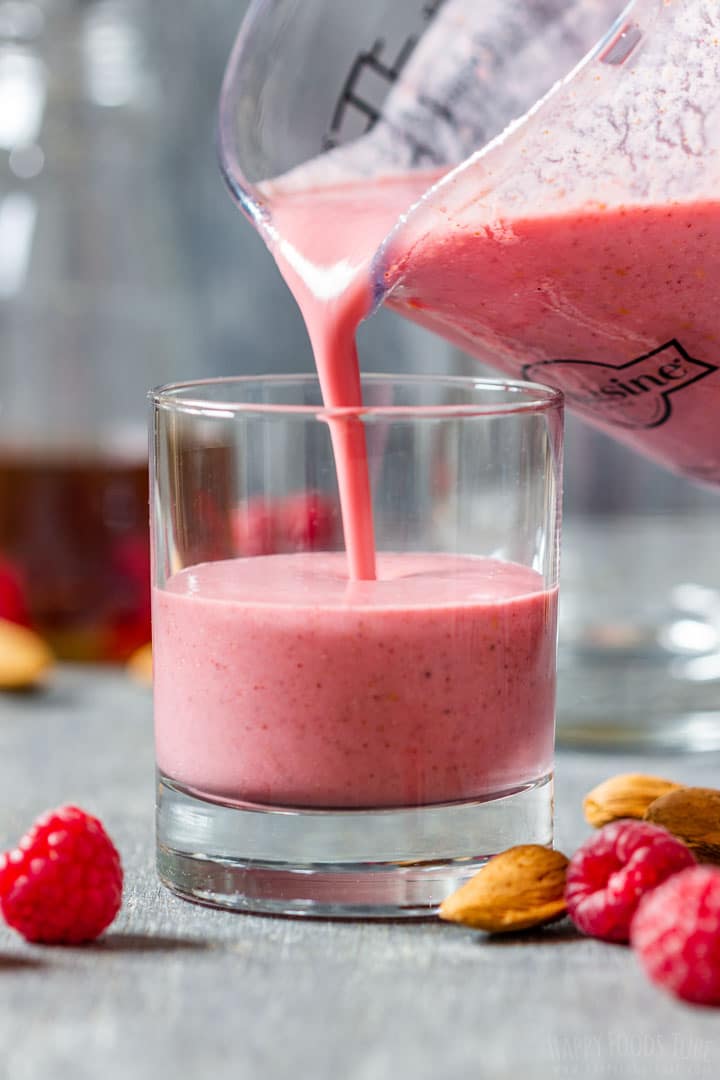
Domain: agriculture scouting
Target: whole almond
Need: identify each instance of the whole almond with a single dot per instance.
(24, 657)
(627, 795)
(693, 815)
(515, 890)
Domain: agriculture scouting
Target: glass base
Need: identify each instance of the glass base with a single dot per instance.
(394, 863)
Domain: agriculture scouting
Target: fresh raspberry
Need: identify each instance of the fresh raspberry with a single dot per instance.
(308, 521)
(612, 871)
(62, 884)
(676, 934)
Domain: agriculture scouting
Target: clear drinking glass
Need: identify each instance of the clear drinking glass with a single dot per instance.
(336, 747)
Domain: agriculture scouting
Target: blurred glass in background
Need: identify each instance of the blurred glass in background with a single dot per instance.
(123, 264)
(92, 309)
(639, 639)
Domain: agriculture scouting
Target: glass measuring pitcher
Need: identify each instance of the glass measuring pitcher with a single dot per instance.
(577, 240)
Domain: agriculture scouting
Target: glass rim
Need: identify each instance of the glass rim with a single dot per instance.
(186, 397)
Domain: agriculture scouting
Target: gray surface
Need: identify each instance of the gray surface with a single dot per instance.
(180, 991)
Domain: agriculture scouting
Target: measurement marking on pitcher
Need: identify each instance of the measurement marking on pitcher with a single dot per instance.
(353, 96)
(437, 108)
(431, 9)
(368, 71)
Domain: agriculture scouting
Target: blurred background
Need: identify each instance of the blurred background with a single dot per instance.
(124, 264)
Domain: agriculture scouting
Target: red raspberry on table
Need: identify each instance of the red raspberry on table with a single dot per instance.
(676, 934)
(62, 884)
(612, 871)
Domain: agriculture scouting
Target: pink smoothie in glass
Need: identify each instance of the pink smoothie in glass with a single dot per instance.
(279, 681)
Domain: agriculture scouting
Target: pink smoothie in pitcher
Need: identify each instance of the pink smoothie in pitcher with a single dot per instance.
(617, 306)
(279, 681)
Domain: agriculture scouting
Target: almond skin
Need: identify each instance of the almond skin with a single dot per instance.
(24, 657)
(625, 796)
(693, 815)
(518, 889)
